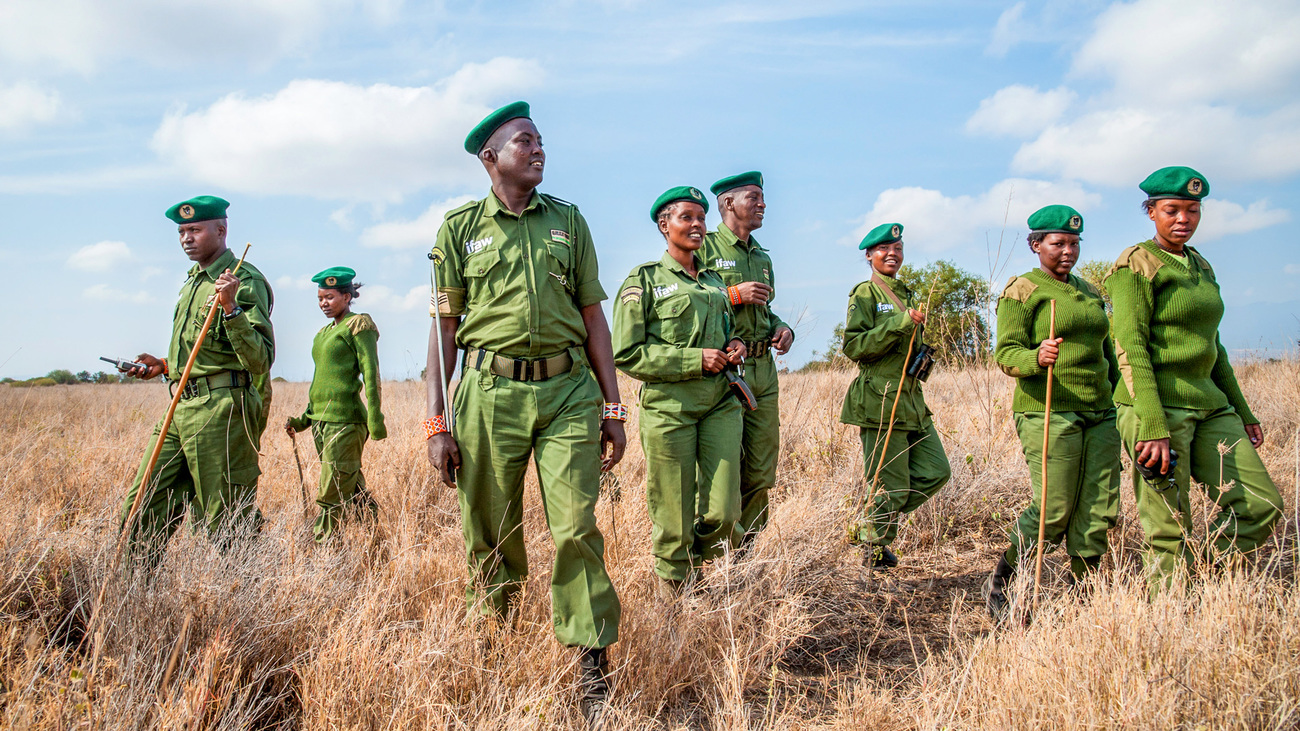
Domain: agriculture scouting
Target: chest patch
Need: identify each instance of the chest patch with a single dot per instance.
(560, 236)
(724, 263)
(472, 247)
(884, 307)
(665, 289)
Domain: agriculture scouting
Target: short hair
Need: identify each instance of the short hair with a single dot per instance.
(1037, 236)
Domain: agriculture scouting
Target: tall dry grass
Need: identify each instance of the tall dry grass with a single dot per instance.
(371, 631)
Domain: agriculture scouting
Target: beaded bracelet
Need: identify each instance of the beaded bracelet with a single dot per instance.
(164, 362)
(617, 412)
(436, 425)
(734, 293)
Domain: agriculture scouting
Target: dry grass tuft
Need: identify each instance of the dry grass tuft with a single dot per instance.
(371, 631)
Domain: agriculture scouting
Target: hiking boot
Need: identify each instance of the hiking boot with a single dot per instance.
(878, 557)
(593, 686)
(995, 590)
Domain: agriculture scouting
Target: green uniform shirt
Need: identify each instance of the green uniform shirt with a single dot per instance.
(876, 334)
(664, 320)
(737, 262)
(520, 281)
(1167, 338)
(1086, 371)
(245, 343)
(346, 356)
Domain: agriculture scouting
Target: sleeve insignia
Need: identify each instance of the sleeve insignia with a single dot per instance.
(631, 294)
(437, 256)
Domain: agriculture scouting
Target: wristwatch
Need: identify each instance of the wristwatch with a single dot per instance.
(233, 313)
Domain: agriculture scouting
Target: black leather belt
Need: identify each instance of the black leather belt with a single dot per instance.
(197, 385)
(518, 369)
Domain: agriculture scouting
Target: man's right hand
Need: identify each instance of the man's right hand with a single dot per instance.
(153, 367)
(713, 360)
(754, 293)
(444, 455)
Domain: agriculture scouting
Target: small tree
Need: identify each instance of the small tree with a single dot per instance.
(62, 377)
(956, 324)
(1094, 272)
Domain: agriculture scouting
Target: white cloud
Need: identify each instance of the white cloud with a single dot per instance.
(107, 295)
(1010, 30)
(1188, 51)
(100, 257)
(1020, 111)
(379, 298)
(81, 34)
(1291, 269)
(24, 105)
(334, 140)
(412, 234)
(1224, 218)
(935, 223)
(1121, 145)
(302, 283)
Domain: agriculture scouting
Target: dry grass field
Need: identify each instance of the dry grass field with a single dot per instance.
(371, 632)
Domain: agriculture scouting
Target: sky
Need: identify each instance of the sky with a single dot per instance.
(335, 128)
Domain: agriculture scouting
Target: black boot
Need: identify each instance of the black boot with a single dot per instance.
(878, 557)
(995, 589)
(593, 684)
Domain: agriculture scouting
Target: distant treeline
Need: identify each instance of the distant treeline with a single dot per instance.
(61, 377)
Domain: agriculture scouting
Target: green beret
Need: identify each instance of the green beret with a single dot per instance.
(753, 177)
(201, 208)
(885, 233)
(492, 122)
(680, 193)
(334, 277)
(1056, 220)
(1176, 182)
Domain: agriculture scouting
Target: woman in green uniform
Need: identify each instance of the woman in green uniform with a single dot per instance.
(1083, 467)
(672, 332)
(1178, 396)
(346, 357)
(880, 326)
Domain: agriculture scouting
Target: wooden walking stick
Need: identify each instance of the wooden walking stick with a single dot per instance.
(302, 481)
(1042, 500)
(157, 450)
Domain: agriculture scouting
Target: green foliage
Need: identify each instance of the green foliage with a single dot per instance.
(1093, 272)
(958, 299)
(62, 377)
(34, 382)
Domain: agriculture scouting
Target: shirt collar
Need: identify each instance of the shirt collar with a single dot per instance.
(495, 206)
(226, 261)
(676, 266)
(729, 237)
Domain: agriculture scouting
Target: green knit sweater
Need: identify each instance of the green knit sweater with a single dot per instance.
(1086, 371)
(1167, 338)
(346, 355)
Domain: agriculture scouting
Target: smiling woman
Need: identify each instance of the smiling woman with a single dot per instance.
(672, 331)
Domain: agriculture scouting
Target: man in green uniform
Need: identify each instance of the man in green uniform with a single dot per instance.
(1178, 393)
(518, 291)
(881, 322)
(209, 455)
(747, 271)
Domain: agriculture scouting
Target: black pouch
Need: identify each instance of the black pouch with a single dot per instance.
(922, 362)
(1160, 482)
(740, 390)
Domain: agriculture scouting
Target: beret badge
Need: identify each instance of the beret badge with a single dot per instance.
(187, 211)
(896, 231)
(331, 281)
(1076, 222)
(697, 195)
(1195, 186)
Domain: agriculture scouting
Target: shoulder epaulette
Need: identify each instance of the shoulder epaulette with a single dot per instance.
(1139, 260)
(361, 323)
(458, 210)
(1205, 264)
(248, 271)
(561, 201)
(1019, 289)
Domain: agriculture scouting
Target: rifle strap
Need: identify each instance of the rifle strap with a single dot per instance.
(876, 280)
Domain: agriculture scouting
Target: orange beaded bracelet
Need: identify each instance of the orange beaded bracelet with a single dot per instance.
(436, 425)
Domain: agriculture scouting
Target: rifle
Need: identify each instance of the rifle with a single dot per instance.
(123, 364)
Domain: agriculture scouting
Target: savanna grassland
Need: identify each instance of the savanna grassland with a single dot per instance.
(371, 631)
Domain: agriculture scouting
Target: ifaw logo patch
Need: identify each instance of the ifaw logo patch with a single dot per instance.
(665, 289)
(473, 247)
(884, 307)
(724, 263)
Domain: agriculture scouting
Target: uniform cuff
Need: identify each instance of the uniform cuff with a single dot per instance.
(591, 293)
(692, 363)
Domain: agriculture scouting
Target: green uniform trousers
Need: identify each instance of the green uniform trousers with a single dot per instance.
(208, 462)
(499, 423)
(1083, 472)
(760, 445)
(690, 433)
(916, 467)
(1249, 503)
(342, 485)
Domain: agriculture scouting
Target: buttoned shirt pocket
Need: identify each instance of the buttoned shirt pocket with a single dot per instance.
(676, 318)
(479, 276)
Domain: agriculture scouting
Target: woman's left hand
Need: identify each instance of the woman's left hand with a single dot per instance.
(1256, 434)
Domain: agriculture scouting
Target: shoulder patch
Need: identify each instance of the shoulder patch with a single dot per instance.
(631, 293)
(1139, 260)
(459, 210)
(361, 323)
(1019, 289)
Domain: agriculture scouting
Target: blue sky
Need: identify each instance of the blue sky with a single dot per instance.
(335, 128)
